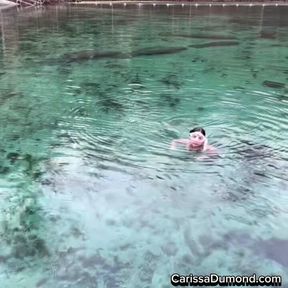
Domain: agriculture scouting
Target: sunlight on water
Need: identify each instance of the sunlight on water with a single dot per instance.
(91, 98)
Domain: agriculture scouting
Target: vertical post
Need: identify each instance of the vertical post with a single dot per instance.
(3, 33)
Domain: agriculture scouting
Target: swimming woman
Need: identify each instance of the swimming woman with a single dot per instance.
(197, 142)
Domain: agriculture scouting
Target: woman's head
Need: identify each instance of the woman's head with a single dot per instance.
(198, 138)
(198, 129)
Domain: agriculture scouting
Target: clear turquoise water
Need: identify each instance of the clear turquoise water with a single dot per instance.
(91, 194)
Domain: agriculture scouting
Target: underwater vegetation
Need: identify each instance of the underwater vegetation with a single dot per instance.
(136, 80)
(103, 98)
(171, 80)
(8, 94)
(255, 151)
(110, 104)
(22, 225)
(26, 163)
(171, 100)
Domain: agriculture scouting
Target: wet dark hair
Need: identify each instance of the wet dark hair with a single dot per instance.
(198, 129)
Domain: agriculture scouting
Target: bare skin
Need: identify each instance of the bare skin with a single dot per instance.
(197, 142)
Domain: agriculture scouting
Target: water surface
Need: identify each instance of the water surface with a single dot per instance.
(91, 97)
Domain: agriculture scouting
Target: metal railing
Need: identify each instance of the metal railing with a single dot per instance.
(28, 3)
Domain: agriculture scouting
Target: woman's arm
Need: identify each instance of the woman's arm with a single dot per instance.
(178, 141)
(212, 151)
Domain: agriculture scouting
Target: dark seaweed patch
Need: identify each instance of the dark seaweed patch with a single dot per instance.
(136, 80)
(169, 100)
(240, 193)
(109, 104)
(6, 95)
(31, 161)
(171, 81)
(282, 97)
(90, 87)
(23, 239)
(13, 156)
(41, 282)
(98, 90)
(170, 248)
(4, 170)
(29, 246)
(255, 152)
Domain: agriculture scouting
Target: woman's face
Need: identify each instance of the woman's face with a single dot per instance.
(197, 139)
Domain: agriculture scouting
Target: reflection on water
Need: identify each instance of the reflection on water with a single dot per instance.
(91, 194)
